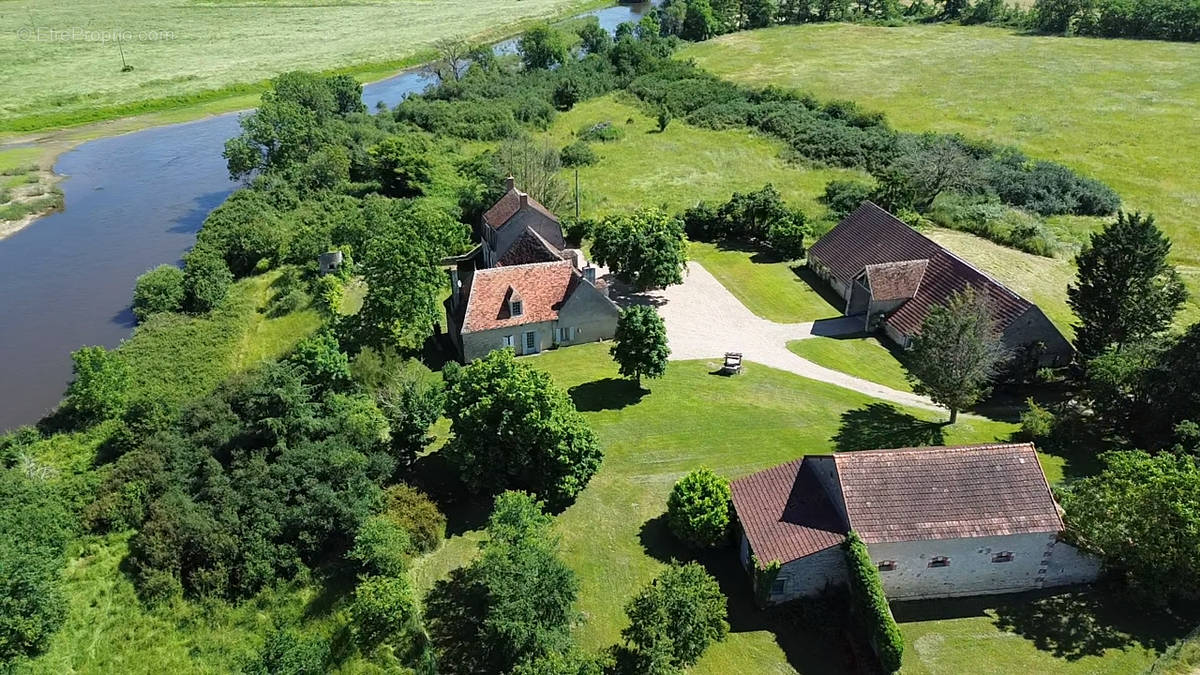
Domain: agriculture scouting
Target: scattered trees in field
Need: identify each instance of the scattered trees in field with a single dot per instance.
(645, 249)
(159, 290)
(512, 427)
(957, 353)
(640, 344)
(700, 509)
(1126, 291)
(1141, 514)
(672, 621)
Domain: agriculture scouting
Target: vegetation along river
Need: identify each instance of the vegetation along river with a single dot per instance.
(132, 202)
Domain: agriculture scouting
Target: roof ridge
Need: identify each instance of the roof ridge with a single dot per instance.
(935, 448)
(516, 267)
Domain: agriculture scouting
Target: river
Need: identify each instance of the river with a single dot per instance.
(132, 202)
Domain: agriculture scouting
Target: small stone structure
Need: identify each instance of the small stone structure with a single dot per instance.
(329, 263)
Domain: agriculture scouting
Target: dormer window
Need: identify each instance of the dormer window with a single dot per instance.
(515, 308)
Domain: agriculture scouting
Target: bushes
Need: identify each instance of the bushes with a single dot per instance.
(752, 216)
(159, 290)
(382, 611)
(1153, 19)
(578, 153)
(843, 196)
(100, 389)
(600, 132)
(672, 621)
(699, 509)
(206, 279)
(995, 221)
(420, 518)
(871, 605)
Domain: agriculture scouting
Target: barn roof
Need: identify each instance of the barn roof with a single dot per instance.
(906, 494)
(872, 236)
(915, 494)
(895, 280)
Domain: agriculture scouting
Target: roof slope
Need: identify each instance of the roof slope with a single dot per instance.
(508, 205)
(530, 247)
(871, 236)
(897, 280)
(914, 494)
(785, 512)
(542, 288)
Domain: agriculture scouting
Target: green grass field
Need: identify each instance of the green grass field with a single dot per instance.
(680, 166)
(779, 291)
(61, 67)
(866, 357)
(1122, 111)
(615, 539)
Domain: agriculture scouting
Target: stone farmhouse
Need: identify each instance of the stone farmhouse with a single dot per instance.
(522, 288)
(938, 522)
(892, 275)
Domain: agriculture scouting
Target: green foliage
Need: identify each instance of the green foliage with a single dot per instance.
(292, 652)
(746, 216)
(513, 604)
(566, 94)
(843, 196)
(1126, 290)
(381, 548)
(640, 343)
(413, 511)
(593, 38)
(957, 353)
(1037, 422)
(542, 47)
(786, 236)
(1148, 19)
(1142, 516)
(383, 610)
(699, 22)
(989, 218)
(100, 389)
(871, 605)
(321, 362)
(764, 578)
(578, 153)
(159, 290)
(206, 280)
(700, 509)
(401, 164)
(663, 118)
(512, 427)
(601, 132)
(646, 249)
(674, 619)
(409, 395)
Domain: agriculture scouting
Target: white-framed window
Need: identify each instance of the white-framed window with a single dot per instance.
(530, 341)
(565, 334)
(508, 341)
(516, 308)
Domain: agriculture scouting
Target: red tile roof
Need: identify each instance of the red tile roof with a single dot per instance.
(871, 236)
(508, 205)
(915, 494)
(542, 288)
(897, 280)
(785, 512)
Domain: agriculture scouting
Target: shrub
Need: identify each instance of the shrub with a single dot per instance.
(786, 236)
(206, 279)
(576, 230)
(673, 620)
(159, 290)
(382, 611)
(1036, 422)
(871, 605)
(699, 509)
(603, 131)
(293, 652)
(286, 303)
(101, 386)
(381, 547)
(578, 153)
(413, 511)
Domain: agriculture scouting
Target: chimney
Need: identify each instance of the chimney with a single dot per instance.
(509, 183)
(524, 199)
(589, 273)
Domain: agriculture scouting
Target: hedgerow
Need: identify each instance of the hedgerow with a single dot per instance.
(871, 605)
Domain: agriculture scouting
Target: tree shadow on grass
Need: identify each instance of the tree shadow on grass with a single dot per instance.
(434, 475)
(660, 543)
(608, 394)
(882, 425)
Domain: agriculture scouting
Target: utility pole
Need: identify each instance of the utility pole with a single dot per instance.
(577, 194)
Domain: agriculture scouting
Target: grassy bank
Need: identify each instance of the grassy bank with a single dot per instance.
(62, 68)
(1122, 111)
(868, 357)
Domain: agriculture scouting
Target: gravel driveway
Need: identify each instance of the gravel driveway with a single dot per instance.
(704, 320)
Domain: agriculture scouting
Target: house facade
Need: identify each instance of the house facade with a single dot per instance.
(521, 288)
(938, 522)
(892, 276)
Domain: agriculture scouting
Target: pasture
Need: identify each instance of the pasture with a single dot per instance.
(63, 64)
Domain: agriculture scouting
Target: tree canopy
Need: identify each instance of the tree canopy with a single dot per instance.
(700, 508)
(646, 249)
(673, 620)
(640, 343)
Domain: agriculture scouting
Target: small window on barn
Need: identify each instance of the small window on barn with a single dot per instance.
(778, 586)
(1003, 557)
(939, 561)
(887, 565)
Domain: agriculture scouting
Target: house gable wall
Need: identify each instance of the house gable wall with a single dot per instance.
(590, 314)
(809, 576)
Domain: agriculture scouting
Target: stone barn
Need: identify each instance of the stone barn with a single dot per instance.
(939, 522)
(892, 275)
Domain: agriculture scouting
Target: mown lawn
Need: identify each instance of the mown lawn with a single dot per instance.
(865, 357)
(680, 166)
(1122, 111)
(782, 291)
(181, 49)
(614, 535)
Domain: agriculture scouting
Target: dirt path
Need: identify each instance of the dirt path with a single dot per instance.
(704, 320)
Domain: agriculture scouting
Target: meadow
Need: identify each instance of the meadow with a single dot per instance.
(63, 65)
(1122, 111)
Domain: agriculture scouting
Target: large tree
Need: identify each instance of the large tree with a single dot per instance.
(640, 344)
(1125, 291)
(957, 353)
(646, 249)
(672, 621)
(514, 604)
(512, 427)
(1142, 516)
(100, 389)
(542, 47)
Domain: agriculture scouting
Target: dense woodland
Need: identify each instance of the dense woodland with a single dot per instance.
(302, 468)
